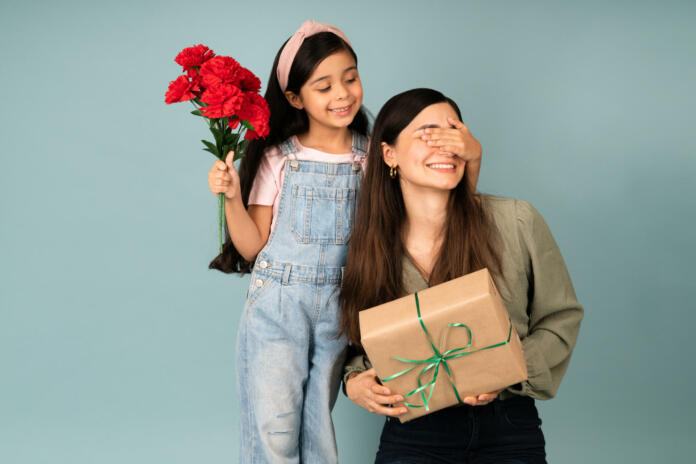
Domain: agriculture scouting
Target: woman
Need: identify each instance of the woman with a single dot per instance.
(418, 223)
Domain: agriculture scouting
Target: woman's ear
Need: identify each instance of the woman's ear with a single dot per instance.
(294, 100)
(388, 155)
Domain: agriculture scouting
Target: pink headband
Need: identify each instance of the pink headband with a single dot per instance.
(287, 56)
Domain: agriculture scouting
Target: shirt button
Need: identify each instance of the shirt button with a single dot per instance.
(263, 264)
(259, 283)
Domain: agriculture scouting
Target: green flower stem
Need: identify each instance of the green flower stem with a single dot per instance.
(221, 216)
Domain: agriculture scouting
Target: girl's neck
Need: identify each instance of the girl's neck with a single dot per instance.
(335, 140)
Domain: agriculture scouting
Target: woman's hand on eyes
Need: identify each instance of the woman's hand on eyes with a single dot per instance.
(456, 140)
(364, 390)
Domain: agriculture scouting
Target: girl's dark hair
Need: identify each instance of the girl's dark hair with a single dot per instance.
(285, 121)
(373, 272)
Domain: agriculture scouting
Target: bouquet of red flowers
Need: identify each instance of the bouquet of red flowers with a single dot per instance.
(227, 96)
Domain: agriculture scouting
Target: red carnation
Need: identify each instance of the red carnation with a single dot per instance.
(224, 100)
(194, 56)
(219, 70)
(181, 89)
(256, 111)
(226, 95)
(247, 80)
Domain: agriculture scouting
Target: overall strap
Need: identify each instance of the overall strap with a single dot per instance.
(359, 144)
(289, 149)
(359, 149)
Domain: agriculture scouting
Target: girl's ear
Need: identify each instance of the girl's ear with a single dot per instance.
(294, 100)
(388, 155)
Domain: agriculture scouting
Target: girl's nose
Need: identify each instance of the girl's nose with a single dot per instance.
(341, 91)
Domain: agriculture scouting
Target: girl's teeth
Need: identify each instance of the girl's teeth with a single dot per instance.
(442, 166)
(340, 110)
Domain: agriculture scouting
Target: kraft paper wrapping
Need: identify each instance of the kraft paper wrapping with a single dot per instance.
(393, 330)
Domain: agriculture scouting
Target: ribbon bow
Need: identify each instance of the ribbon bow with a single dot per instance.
(438, 359)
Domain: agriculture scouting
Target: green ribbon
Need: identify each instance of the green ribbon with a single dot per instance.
(438, 359)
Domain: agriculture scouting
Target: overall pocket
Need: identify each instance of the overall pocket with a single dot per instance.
(322, 214)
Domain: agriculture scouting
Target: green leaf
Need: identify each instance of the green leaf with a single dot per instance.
(242, 149)
(211, 148)
(216, 134)
(211, 151)
(230, 138)
(196, 113)
(246, 124)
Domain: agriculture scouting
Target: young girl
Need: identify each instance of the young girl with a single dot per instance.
(426, 226)
(300, 186)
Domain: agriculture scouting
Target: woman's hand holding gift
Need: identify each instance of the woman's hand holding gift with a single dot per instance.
(481, 400)
(364, 390)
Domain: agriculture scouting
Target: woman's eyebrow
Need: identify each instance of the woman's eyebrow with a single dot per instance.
(428, 126)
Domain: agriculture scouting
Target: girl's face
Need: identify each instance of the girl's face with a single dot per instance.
(420, 164)
(332, 95)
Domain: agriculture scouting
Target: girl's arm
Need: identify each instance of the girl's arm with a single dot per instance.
(249, 230)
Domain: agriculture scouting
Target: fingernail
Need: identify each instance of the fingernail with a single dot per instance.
(399, 398)
(403, 411)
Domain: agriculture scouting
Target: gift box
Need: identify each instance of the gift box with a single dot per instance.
(444, 343)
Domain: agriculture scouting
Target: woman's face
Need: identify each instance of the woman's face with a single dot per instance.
(419, 164)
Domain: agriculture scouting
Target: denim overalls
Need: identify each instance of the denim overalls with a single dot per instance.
(289, 352)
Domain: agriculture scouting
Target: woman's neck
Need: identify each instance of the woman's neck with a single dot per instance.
(337, 140)
(424, 228)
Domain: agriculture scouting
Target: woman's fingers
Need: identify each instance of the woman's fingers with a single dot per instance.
(377, 388)
(377, 408)
(385, 399)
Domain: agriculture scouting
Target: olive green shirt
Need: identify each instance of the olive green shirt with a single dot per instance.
(537, 292)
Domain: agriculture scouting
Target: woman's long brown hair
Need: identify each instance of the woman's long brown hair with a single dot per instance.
(373, 272)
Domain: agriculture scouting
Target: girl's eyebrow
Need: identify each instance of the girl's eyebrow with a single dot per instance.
(326, 77)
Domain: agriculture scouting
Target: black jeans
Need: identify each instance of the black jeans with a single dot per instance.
(502, 432)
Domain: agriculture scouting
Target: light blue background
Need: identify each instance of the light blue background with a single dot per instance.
(116, 342)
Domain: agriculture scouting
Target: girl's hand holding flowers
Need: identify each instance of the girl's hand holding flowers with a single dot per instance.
(223, 178)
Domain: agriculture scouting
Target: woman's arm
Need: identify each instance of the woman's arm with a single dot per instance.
(554, 311)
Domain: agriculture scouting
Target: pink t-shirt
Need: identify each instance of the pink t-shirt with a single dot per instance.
(269, 178)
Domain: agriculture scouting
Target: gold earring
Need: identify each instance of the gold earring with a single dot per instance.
(392, 172)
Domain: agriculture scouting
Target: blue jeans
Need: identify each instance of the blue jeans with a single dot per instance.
(502, 432)
(289, 361)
